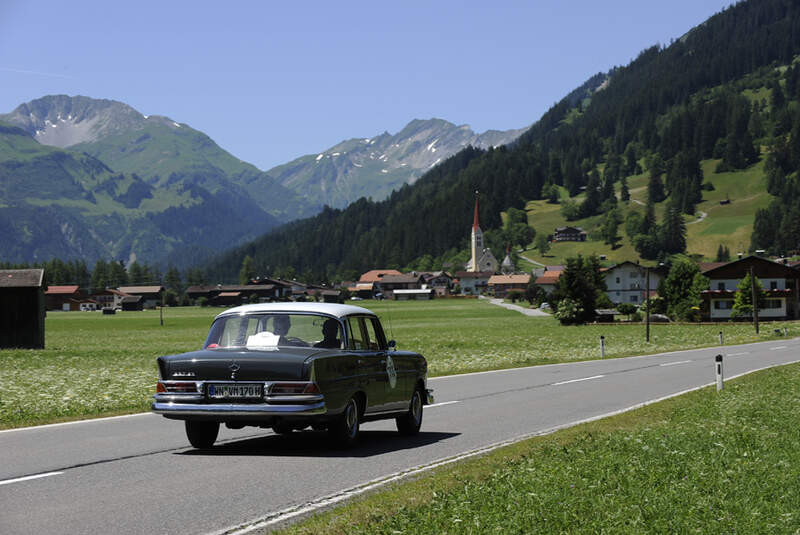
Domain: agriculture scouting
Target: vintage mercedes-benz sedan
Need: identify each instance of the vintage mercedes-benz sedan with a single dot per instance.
(289, 366)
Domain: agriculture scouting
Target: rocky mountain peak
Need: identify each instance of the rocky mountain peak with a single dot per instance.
(63, 121)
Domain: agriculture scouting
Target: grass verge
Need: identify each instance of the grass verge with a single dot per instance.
(703, 462)
(95, 365)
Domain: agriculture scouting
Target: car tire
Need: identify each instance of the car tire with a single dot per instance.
(411, 421)
(202, 435)
(344, 430)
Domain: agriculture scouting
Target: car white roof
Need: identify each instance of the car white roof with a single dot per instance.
(330, 309)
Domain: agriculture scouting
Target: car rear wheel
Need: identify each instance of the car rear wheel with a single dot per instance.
(411, 421)
(344, 430)
(202, 435)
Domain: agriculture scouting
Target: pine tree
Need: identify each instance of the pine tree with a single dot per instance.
(624, 194)
(248, 270)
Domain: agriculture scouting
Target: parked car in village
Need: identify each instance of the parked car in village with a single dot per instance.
(288, 366)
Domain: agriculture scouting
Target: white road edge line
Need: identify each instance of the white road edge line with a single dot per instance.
(289, 513)
(28, 478)
(442, 404)
(738, 354)
(74, 422)
(674, 363)
(777, 348)
(577, 380)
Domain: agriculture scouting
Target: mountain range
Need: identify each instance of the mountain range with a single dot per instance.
(707, 125)
(91, 178)
(374, 167)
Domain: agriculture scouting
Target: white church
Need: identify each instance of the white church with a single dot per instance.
(482, 258)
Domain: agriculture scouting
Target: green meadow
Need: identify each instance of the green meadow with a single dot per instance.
(704, 462)
(95, 365)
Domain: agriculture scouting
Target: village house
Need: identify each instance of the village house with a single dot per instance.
(569, 234)
(151, 295)
(474, 282)
(66, 298)
(780, 283)
(547, 279)
(369, 283)
(389, 283)
(500, 285)
(626, 282)
(440, 281)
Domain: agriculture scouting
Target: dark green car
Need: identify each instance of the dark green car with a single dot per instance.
(289, 366)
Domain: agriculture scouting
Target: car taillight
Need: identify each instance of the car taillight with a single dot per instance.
(293, 388)
(176, 387)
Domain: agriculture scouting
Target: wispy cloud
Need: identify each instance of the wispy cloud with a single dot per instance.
(35, 73)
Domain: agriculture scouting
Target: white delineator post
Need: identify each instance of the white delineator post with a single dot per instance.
(720, 339)
(602, 347)
(718, 365)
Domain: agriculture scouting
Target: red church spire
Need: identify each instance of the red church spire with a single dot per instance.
(475, 220)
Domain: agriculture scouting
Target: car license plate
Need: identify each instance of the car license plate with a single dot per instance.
(235, 391)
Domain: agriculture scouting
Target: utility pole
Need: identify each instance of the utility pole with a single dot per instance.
(755, 298)
(647, 305)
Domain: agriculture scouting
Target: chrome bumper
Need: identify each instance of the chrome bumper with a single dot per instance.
(177, 409)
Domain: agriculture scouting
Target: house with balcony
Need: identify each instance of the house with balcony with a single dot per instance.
(780, 283)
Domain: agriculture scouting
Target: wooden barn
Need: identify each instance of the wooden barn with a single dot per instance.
(22, 308)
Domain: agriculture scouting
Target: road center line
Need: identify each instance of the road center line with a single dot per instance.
(28, 478)
(674, 363)
(577, 380)
(777, 348)
(441, 404)
(738, 354)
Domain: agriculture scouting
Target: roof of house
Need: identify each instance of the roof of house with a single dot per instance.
(139, 290)
(762, 267)
(474, 274)
(21, 278)
(401, 279)
(564, 229)
(62, 290)
(376, 275)
(549, 277)
(510, 279)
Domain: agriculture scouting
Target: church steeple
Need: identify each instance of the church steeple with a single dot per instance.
(476, 224)
(477, 238)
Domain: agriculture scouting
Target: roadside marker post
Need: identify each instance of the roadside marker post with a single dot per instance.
(602, 347)
(718, 362)
(720, 339)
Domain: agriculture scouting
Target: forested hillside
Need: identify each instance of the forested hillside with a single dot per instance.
(726, 90)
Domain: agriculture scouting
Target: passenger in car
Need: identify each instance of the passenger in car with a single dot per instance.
(330, 333)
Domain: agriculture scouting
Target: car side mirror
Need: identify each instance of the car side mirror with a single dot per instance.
(392, 345)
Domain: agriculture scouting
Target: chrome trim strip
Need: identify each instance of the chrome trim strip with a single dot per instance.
(226, 409)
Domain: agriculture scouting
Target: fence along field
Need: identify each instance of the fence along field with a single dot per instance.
(95, 365)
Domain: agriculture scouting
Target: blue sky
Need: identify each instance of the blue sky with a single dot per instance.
(270, 81)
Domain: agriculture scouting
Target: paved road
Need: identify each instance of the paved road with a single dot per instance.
(137, 475)
(524, 310)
